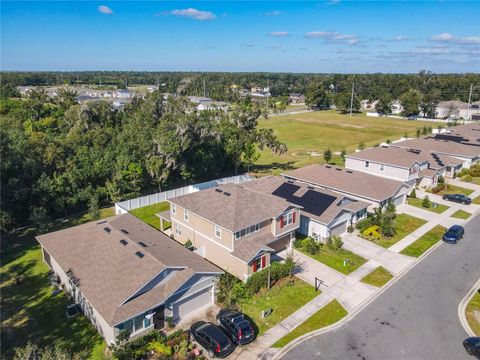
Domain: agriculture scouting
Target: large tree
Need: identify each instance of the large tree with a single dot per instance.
(411, 101)
(343, 102)
(316, 97)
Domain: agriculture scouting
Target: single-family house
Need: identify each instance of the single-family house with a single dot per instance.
(323, 213)
(296, 98)
(125, 275)
(235, 228)
(358, 185)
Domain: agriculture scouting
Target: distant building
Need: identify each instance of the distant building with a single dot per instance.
(123, 94)
(296, 98)
(397, 107)
(457, 110)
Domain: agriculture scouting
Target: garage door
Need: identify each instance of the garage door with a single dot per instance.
(398, 200)
(192, 303)
(338, 229)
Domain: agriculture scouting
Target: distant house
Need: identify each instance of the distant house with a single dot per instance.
(122, 94)
(296, 98)
(125, 275)
(367, 104)
(375, 190)
(397, 107)
(457, 110)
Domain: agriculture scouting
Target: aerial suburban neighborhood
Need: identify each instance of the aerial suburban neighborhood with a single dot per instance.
(240, 180)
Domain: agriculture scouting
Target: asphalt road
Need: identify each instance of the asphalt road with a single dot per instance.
(416, 318)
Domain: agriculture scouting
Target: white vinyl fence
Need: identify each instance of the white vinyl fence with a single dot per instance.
(122, 207)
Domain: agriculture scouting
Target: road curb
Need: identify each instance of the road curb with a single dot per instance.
(366, 302)
(463, 305)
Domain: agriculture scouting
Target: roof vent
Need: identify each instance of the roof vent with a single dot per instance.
(328, 166)
(139, 254)
(218, 190)
(311, 187)
(101, 222)
(227, 194)
(107, 229)
(124, 231)
(142, 244)
(350, 171)
(123, 242)
(338, 169)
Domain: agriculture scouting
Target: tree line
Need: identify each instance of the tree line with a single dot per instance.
(59, 156)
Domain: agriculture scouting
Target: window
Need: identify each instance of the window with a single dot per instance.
(367, 163)
(186, 215)
(258, 264)
(178, 229)
(218, 231)
(382, 167)
(287, 219)
(247, 231)
(138, 323)
(147, 321)
(174, 209)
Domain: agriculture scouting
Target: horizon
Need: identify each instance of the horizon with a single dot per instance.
(328, 37)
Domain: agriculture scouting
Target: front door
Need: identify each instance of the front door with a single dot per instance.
(159, 318)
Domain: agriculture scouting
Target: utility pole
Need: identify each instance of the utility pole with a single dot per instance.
(268, 92)
(204, 89)
(470, 96)
(351, 99)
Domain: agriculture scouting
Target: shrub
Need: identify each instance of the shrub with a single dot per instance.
(441, 180)
(388, 227)
(310, 246)
(391, 209)
(278, 270)
(160, 348)
(137, 348)
(364, 224)
(334, 242)
(225, 285)
(372, 231)
(413, 194)
(474, 170)
(170, 322)
(350, 228)
(426, 202)
(438, 188)
(467, 178)
(188, 244)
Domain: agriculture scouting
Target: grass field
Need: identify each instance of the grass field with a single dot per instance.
(378, 277)
(439, 208)
(405, 224)
(425, 242)
(314, 132)
(328, 315)
(476, 200)
(148, 214)
(473, 307)
(461, 214)
(284, 298)
(336, 258)
(453, 189)
(29, 310)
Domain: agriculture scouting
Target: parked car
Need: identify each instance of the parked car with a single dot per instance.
(454, 234)
(237, 326)
(459, 198)
(72, 310)
(472, 346)
(212, 339)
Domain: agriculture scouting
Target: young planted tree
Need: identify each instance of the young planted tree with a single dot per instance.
(426, 202)
(327, 155)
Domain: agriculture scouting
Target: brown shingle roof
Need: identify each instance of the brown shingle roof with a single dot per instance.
(321, 205)
(389, 155)
(347, 181)
(231, 206)
(441, 144)
(247, 247)
(110, 272)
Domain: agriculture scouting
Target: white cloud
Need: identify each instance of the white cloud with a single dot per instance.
(105, 10)
(194, 14)
(272, 13)
(401, 38)
(333, 37)
(278, 33)
(449, 38)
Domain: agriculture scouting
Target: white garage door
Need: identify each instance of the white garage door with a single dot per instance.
(339, 229)
(193, 302)
(398, 200)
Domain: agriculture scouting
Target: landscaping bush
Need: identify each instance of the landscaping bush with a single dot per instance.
(310, 246)
(388, 227)
(334, 242)
(137, 348)
(225, 289)
(467, 178)
(474, 170)
(188, 244)
(413, 194)
(426, 202)
(364, 224)
(278, 270)
(372, 231)
(350, 228)
(438, 188)
(441, 179)
(160, 348)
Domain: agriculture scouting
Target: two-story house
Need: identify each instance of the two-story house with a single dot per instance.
(233, 227)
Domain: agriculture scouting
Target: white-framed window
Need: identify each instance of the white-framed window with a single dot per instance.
(178, 229)
(218, 231)
(367, 163)
(174, 209)
(382, 167)
(247, 231)
(186, 215)
(288, 218)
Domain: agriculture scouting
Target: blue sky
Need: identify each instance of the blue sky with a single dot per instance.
(321, 36)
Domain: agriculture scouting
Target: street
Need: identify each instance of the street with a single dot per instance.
(416, 318)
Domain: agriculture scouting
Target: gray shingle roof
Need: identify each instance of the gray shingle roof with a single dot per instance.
(395, 156)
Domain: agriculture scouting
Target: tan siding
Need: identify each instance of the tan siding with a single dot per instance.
(279, 230)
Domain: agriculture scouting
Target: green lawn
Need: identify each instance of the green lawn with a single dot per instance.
(453, 189)
(406, 224)
(476, 200)
(378, 277)
(285, 297)
(439, 208)
(461, 214)
(308, 135)
(335, 259)
(29, 311)
(148, 214)
(425, 242)
(328, 315)
(472, 308)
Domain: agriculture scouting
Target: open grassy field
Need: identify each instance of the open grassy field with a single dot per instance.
(314, 132)
(453, 189)
(29, 310)
(327, 315)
